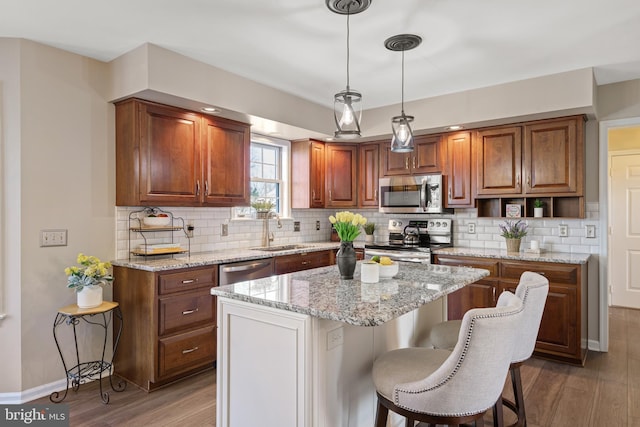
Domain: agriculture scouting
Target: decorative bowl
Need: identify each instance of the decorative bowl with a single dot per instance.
(388, 271)
(156, 221)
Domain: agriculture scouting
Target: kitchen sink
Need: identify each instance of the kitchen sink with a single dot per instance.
(279, 248)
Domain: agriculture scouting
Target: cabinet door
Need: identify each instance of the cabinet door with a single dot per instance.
(341, 161)
(459, 170)
(307, 183)
(368, 174)
(553, 156)
(498, 160)
(317, 175)
(226, 167)
(559, 334)
(393, 163)
(169, 156)
(428, 155)
(480, 294)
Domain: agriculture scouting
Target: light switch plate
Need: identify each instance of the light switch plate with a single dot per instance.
(335, 338)
(225, 230)
(53, 238)
(590, 231)
(296, 225)
(563, 230)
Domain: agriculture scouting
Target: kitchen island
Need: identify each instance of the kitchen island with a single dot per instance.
(297, 349)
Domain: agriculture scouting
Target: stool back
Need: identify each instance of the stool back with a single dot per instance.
(532, 290)
(472, 377)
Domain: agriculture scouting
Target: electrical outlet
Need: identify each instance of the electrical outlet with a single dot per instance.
(563, 230)
(471, 228)
(296, 225)
(590, 231)
(335, 338)
(317, 225)
(225, 230)
(53, 238)
(190, 228)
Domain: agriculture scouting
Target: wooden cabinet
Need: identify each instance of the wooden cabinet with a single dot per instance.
(368, 174)
(428, 156)
(536, 160)
(226, 163)
(303, 261)
(341, 174)
(169, 324)
(458, 176)
(308, 182)
(168, 156)
(563, 330)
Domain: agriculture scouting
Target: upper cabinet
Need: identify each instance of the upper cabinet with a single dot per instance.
(308, 183)
(458, 172)
(543, 160)
(368, 174)
(428, 156)
(341, 174)
(226, 160)
(166, 156)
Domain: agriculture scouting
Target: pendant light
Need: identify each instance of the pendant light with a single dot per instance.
(347, 104)
(402, 141)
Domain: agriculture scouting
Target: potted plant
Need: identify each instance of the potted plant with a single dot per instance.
(262, 207)
(538, 208)
(87, 280)
(513, 232)
(369, 229)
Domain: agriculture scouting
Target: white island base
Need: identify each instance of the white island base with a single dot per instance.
(279, 368)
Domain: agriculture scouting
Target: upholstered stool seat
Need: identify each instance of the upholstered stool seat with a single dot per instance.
(532, 290)
(451, 387)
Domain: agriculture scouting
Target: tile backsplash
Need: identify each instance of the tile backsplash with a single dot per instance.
(247, 233)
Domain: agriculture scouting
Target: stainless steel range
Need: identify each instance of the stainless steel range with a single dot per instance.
(413, 239)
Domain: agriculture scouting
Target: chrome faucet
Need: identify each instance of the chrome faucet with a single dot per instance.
(268, 236)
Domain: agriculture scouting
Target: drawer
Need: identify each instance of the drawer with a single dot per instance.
(185, 311)
(186, 351)
(187, 279)
(487, 264)
(556, 273)
(304, 261)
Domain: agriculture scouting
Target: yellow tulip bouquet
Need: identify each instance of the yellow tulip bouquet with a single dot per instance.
(348, 225)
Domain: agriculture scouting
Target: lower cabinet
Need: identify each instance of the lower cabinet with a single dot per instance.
(563, 330)
(169, 324)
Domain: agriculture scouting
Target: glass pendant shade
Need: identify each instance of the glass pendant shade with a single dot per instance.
(347, 111)
(402, 141)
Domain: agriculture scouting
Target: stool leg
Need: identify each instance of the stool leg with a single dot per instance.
(381, 415)
(498, 415)
(516, 382)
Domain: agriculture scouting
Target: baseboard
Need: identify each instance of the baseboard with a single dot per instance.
(32, 393)
(594, 345)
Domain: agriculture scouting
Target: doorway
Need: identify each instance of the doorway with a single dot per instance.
(605, 258)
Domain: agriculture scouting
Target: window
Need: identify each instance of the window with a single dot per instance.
(269, 166)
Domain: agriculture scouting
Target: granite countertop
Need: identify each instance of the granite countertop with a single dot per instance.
(559, 257)
(164, 262)
(321, 293)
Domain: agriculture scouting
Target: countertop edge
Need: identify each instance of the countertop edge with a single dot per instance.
(555, 257)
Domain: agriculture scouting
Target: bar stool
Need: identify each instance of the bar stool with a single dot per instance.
(441, 387)
(532, 290)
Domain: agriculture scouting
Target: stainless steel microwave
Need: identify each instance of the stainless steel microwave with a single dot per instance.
(412, 194)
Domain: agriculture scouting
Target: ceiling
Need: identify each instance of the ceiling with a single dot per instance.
(300, 46)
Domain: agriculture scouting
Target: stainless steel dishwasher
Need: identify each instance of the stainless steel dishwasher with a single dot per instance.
(245, 270)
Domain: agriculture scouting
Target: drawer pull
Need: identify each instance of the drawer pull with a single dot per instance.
(305, 262)
(186, 282)
(190, 350)
(189, 312)
(540, 273)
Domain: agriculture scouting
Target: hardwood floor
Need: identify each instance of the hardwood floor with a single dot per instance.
(606, 392)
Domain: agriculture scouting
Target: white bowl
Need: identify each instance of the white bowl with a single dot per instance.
(156, 221)
(388, 271)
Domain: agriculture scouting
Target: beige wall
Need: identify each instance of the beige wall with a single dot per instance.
(624, 139)
(619, 100)
(63, 177)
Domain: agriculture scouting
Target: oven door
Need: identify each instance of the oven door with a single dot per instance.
(402, 194)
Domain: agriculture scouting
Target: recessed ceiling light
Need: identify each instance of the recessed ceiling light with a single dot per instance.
(210, 110)
(453, 127)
